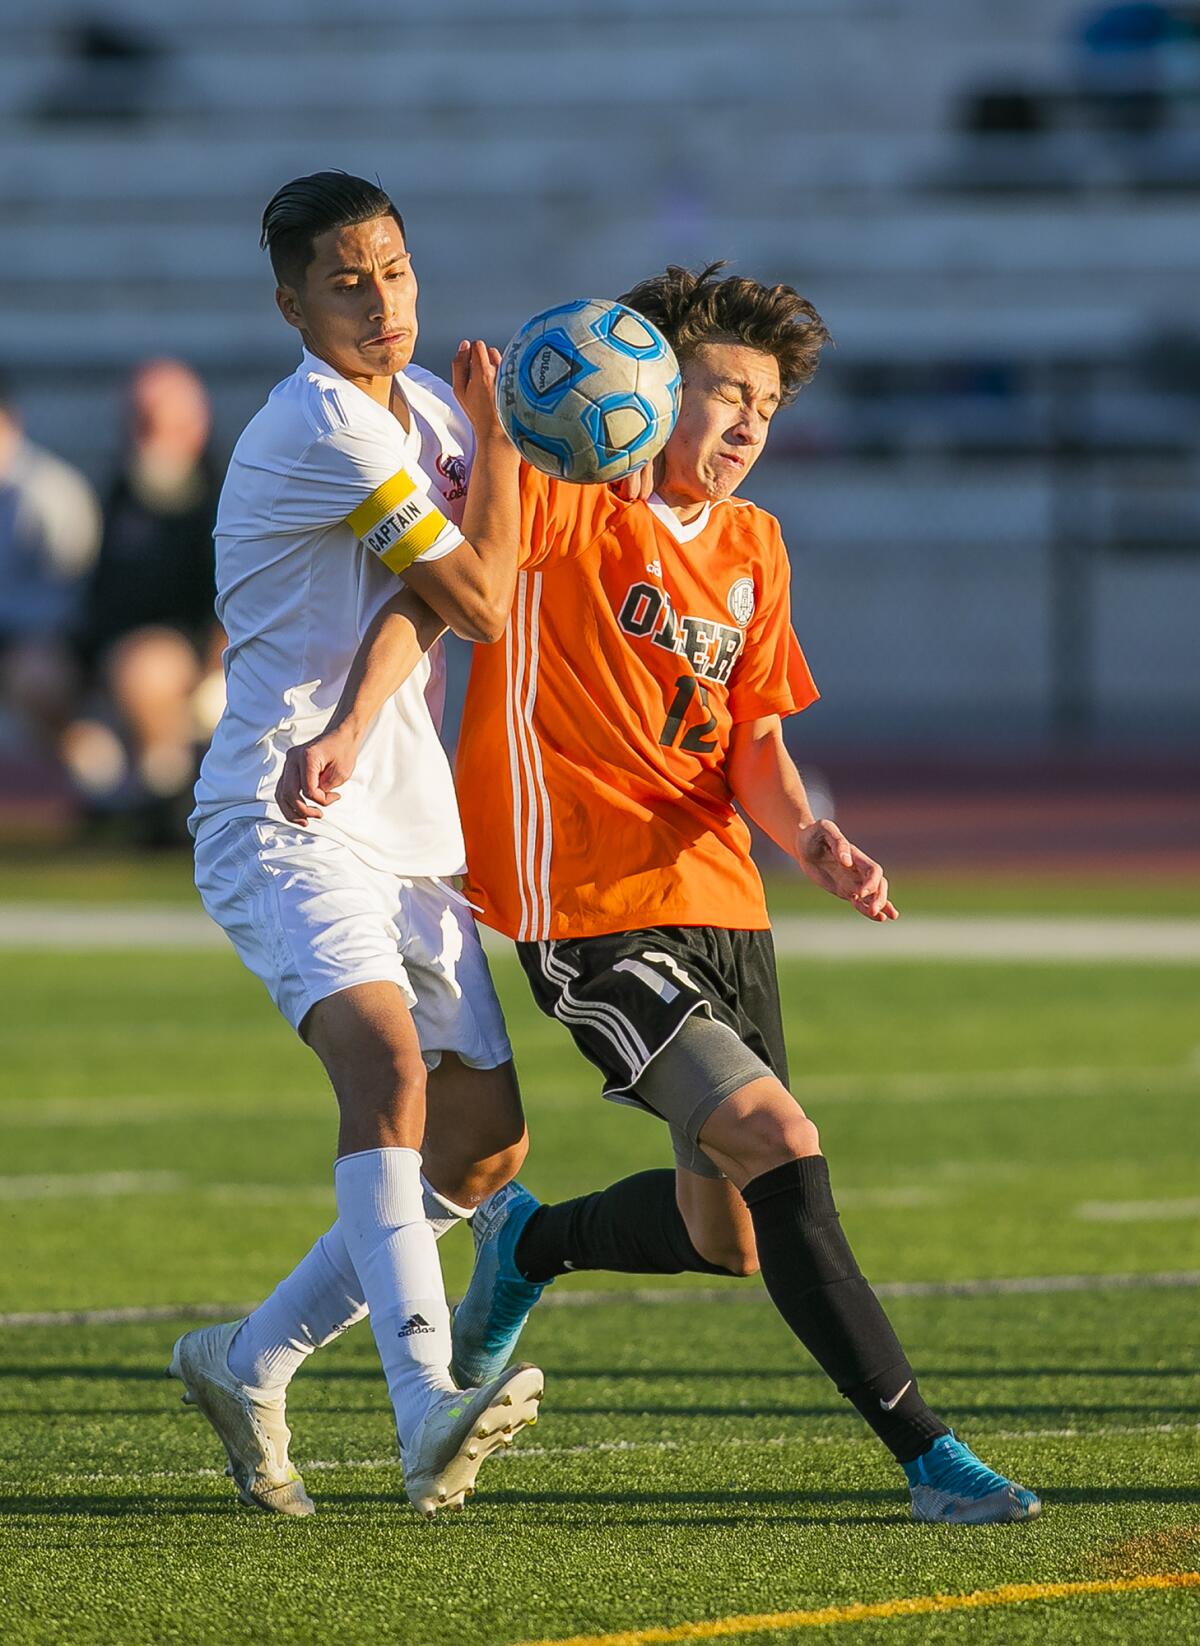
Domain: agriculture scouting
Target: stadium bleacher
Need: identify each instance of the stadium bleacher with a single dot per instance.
(544, 149)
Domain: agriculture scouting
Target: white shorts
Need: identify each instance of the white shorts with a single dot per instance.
(310, 918)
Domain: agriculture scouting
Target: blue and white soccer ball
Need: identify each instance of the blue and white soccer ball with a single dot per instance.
(588, 391)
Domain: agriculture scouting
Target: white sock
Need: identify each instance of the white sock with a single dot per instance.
(442, 1212)
(394, 1253)
(316, 1303)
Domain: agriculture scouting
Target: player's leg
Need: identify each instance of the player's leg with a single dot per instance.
(655, 1222)
(717, 1220)
(310, 920)
(367, 1040)
(475, 1138)
(770, 1151)
(722, 1097)
(634, 1226)
(381, 1252)
(769, 1148)
(474, 1142)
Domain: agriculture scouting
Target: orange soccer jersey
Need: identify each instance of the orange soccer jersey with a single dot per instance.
(591, 759)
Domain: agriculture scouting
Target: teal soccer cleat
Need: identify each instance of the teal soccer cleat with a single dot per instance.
(951, 1487)
(488, 1321)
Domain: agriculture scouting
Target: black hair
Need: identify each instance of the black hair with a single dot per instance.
(708, 307)
(308, 206)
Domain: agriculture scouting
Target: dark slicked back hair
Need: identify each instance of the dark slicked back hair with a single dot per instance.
(309, 206)
(691, 309)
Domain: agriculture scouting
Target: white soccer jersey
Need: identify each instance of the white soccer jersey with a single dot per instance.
(326, 501)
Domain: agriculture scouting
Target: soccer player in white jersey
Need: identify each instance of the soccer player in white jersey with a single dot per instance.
(362, 494)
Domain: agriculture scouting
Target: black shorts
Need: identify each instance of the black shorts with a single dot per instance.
(626, 996)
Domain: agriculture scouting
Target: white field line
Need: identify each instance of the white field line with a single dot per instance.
(38, 1186)
(1049, 938)
(107, 926)
(523, 1454)
(1017, 1286)
(911, 1086)
(88, 1185)
(983, 1085)
(53, 1112)
(820, 937)
(1138, 1211)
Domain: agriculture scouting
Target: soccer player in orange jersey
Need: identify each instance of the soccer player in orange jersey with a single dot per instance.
(633, 704)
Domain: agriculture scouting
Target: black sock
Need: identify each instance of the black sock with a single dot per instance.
(632, 1227)
(816, 1285)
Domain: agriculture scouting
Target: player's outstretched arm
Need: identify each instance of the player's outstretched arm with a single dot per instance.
(472, 587)
(400, 632)
(769, 789)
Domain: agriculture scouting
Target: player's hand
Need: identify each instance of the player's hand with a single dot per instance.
(637, 487)
(313, 773)
(831, 862)
(473, 375)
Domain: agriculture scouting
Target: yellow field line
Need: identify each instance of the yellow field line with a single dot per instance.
(1009, 1594)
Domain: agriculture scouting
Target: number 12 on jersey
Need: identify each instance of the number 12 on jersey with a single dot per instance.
(697, 739)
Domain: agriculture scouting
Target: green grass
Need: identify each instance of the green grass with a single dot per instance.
(692, 1463)
(74, 875)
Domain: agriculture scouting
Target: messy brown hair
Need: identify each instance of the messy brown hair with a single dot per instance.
(692, 309)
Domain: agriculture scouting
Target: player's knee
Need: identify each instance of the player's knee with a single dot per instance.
(500, 1168)
(401, 1085)
(471, 1181)
(778, 1134)
(391, 1088)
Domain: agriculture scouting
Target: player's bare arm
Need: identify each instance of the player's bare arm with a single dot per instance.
(768, 787)
(400, 633)
(472, 588)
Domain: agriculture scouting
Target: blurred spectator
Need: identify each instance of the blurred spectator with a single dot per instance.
(113, 72)
(49, 534)
(148, 635)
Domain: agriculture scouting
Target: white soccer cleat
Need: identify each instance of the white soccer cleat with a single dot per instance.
(250, 1424)
(460, 1431)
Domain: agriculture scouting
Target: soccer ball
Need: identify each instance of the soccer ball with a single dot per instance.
(588, 391)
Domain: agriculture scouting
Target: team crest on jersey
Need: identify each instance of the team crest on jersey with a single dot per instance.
(453, 470)
(741, 601)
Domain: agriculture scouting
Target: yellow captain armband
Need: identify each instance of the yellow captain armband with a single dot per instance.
(397, 522)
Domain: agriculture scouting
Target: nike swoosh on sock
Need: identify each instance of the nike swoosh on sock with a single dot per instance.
(890, 1405)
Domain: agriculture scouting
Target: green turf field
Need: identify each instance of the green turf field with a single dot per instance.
(78, 875)
(164, 1141)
